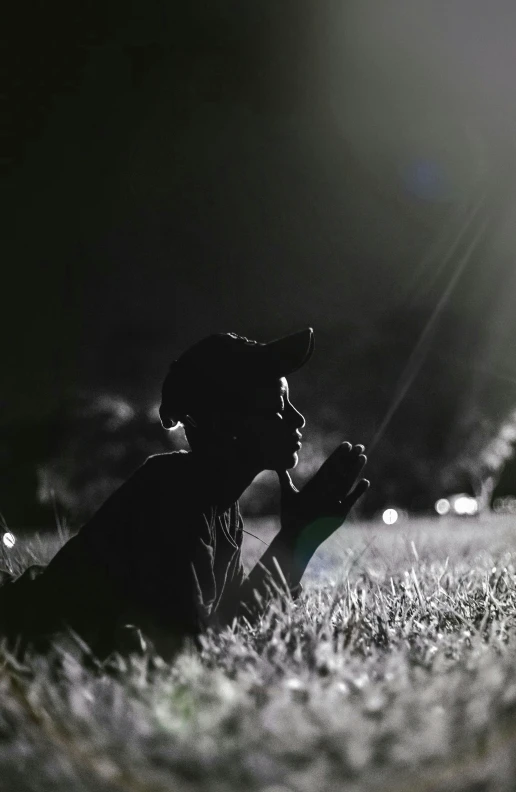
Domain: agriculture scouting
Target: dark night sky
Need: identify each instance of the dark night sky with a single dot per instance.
(175, 174)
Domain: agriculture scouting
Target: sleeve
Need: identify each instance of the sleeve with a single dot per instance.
(250, 604)
(240, 598)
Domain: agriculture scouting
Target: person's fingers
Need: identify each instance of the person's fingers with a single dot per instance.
(343, 460)
(339, 462)
(356, 493)
(361, 461)
(338, 473)
(322, 483)
(338, 454)
(348, 478)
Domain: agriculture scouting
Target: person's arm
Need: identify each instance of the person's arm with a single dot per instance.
(308, 518)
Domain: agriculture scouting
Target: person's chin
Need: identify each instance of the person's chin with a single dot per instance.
(290, 460)
(295, 459)
(284, 461)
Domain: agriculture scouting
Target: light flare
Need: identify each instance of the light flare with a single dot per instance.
(390, 516)
(9, 540)
(442, 506)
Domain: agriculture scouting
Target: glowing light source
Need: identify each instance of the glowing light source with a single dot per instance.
(442, 506)
(8, 540)
(465, 505)
(390, 516)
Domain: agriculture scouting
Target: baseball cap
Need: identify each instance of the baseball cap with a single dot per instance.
(211, 365)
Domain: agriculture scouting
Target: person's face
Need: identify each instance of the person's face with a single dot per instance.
(267, 425)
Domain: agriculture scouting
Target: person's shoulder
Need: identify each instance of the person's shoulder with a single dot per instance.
(168, 462)
(168, 484)
(160, 479)
(156, 473)
(167, 468)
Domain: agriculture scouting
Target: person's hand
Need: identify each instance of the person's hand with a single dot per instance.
(325, 501)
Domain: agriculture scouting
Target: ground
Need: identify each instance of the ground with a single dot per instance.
(394, 671)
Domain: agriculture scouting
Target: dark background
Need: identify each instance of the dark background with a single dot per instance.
(234, 166)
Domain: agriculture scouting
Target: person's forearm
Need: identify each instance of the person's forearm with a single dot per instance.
(292, 552)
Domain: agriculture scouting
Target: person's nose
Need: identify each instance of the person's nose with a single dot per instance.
(295, 417)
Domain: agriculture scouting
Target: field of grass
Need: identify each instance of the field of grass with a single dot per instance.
(394, 671)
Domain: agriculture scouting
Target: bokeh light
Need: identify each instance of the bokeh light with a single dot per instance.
(442, 506)
(390, 516)
(505, 505)
(464, 505)
(8, 540)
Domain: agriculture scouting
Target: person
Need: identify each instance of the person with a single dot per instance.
(163, 553)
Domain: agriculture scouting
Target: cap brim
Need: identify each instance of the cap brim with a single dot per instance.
(286, 355)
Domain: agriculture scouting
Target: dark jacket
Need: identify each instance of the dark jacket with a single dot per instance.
(157, 555)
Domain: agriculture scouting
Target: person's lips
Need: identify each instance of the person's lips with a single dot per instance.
(297, 440)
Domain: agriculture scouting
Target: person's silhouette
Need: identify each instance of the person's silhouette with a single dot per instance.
(164, 551)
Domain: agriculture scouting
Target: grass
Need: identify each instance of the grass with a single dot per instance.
(396, 670)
